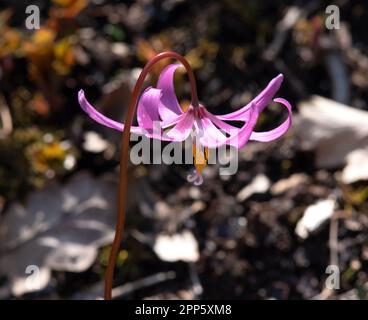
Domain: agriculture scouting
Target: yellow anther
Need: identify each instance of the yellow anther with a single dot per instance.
(200, 158)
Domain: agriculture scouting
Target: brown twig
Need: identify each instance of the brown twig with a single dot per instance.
(124, 157)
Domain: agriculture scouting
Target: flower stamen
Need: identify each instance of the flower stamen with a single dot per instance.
(200, 160)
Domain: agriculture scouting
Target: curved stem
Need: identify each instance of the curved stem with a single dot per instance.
(120, 220)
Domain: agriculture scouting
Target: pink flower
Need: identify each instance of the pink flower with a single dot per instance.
(160, 106)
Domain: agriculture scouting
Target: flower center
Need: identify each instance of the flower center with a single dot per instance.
(200, 154)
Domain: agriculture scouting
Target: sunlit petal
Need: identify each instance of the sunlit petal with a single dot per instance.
(169, 107)
(277, 132)
(100, 118)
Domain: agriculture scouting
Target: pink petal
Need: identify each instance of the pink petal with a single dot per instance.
(210, 136)
(169, 107)
(169, 123)
(238, 115)
(183, 128)
(264, 98)
(148, 116)
(260, 102)
(100, 118)
(277, 132)
(221, 124)
(239, 139)
(147, 110)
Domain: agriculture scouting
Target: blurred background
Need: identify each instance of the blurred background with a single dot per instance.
(290, 224)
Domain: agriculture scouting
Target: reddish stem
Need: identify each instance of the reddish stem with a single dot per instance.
(120, 220)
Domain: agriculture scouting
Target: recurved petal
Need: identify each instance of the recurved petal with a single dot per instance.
(182, 129)
(228, 128)
(169, 107)
(170, 123)
(241, 137)
(265, 97)
(277, 132)
(100, 118)
(209, 135)
(259, 102)
(241, 114)
(147, 110)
